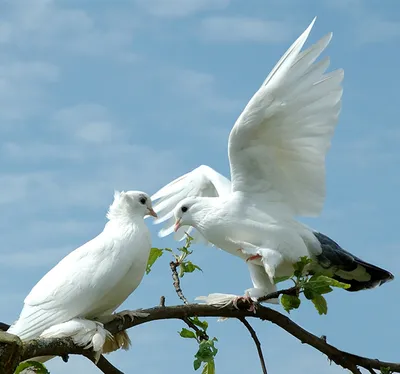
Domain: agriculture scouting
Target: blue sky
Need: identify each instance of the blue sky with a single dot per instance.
(104, 95)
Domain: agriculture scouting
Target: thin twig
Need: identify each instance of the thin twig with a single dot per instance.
(107, 367)
(257, 342)
(202, 334)
(177, 284)
(162, 301)
(274, 295)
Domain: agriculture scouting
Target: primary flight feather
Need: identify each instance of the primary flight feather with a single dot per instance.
(277, 151)
(93, 280)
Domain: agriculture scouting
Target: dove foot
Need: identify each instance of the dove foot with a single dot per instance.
(258, 293)
(132, 314)
(245, 299)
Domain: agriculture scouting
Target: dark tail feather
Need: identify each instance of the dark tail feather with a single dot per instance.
(4, 326)
(378, 275)
(346, 267)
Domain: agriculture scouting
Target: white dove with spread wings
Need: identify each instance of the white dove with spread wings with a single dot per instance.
(277, 151)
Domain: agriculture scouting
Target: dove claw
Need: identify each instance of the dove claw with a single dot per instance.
(247, 299)
(132, 314)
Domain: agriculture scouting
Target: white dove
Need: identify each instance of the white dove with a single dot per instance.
(277, 151)
(92, 281)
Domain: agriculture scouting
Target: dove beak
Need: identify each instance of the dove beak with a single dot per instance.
(177, 224)
(151, 212)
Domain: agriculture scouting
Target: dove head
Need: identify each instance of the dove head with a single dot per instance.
(131, 204)
(190, 212)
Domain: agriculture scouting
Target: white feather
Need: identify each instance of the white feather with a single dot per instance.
(278, 144)
(93, 280)
(277, 151)
(84, 333)
(202, 181)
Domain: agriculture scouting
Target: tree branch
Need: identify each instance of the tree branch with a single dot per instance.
(63, 347)
(345, 359)
(45, 347)
(257, 342)
(177, 284)
(107, 367)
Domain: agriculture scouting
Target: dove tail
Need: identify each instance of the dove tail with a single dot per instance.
(117, 341)
(347, 268)
(378, 276)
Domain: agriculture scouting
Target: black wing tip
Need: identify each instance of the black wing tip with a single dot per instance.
(333, 254)
(385, 277)
(4, 326)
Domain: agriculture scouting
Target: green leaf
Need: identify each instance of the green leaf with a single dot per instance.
(309, 293)
(318, 285)
(202, 324)
(207, 350)
(290, 302)
(333, 282)
(185, 333)
(155, 253)
(196, 363)
(185, 250)
(320, 304)
(188, 267)
(206, 354)
(37, 367)
(300, 265)
(281, 279)
(209, 368)
(385, 370)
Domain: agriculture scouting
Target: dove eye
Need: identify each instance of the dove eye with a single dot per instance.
(184, 209)
(142, 200)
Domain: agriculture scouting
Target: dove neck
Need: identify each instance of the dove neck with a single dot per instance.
(123, 214)
(203, 209)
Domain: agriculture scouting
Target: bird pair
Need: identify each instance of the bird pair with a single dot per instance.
(277, 151)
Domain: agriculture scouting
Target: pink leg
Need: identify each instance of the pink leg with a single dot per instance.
(254, 257)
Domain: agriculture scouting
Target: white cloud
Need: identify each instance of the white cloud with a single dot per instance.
(244, 29)
(376, 30)
(23, 87)
(46, 25)
(16, 187)
(88, 122)
(369, 24)
(91, 177)
(180, 8)
(370, 151)
(54, 31)
(29, 257)
(36, 152)
(200, 89)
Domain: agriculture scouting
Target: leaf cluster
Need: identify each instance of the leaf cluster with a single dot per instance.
(313, 287)
(207, 351)
(185, 266)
